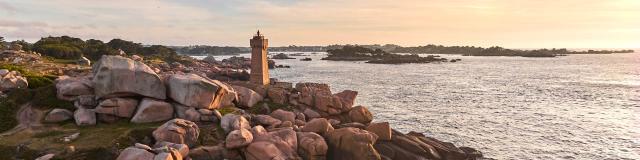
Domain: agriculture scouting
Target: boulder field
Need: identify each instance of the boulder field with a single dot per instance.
(281, 121)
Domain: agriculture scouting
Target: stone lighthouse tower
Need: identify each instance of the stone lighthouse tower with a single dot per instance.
(259, 66)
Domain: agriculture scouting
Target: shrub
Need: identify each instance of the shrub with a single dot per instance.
(8, 111)
(38, 81)
(45, 98)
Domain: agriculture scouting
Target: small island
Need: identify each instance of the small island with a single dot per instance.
(377, 56)
(491, 51)
(281, 56)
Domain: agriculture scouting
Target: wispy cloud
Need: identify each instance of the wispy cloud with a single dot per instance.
(6, 7)
(545, 23)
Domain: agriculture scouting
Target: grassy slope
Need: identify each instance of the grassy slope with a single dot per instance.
(102, 141)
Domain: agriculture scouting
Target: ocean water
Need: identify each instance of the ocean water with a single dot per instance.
(570, 107)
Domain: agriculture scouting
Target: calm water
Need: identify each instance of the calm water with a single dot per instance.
(573, 107)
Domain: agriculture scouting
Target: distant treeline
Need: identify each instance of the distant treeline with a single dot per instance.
(70, 47)
(347, 50)
(294, 48)
(66, 47)
(463, 50)
(601, 51)
(209, 50)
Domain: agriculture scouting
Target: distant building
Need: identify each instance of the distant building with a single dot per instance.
(259, 67)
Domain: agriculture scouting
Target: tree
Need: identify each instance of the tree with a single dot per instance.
(1, 42)
(94, 49)
(128, 47)
(60, 47)
(26, 46)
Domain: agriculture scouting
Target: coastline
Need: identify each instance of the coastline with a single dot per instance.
(347, 119)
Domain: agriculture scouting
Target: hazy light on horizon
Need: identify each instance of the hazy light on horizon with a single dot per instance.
(509, 23)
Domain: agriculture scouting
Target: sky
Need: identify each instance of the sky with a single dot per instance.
(507, 23)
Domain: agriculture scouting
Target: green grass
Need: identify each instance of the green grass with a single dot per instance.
(227, 109)
(48, 134)
(60, 61)
(17, 68)
(102, 141)
(35, 80)
(41, 98)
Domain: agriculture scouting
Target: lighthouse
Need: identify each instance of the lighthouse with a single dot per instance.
(259, 67)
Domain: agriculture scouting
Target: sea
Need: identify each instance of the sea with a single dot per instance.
(567, 107)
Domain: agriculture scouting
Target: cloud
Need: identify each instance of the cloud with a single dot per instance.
(568, 23)
(7, 7)
(13, 23)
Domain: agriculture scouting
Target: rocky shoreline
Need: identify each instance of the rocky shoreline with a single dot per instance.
(200, 110)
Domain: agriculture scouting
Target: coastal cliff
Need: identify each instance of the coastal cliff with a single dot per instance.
(134, 107)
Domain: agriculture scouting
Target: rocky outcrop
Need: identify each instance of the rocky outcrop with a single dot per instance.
(144, 152)
(68, 88)
(84, 117)
(121, 107)
(115, 76)
(194, 91)
(444, 149)
(247, 97)
(207, 115)
(382, 130)
(318, 125)
(311, 145)
(231, 122)
(136, 58)
(281, 56)
(84, 61)
(86, 101)
(347, 98)
(152, 110)
(187, 113)
(238, 138)
(360, 114)
(178, 131)
(263, 151)
(351, 144)
(319, 97)
(210, 59)
(278, 95)
(309, 90)
(283, 115)
(207, 153)
(311, 114)
(135, 153)
(267, 120)
(58, 115)
(183, 149)
(12, 80)
(279, 144)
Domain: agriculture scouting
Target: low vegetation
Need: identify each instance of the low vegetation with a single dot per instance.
(102, 141)
(208, 50)
(65, 48)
